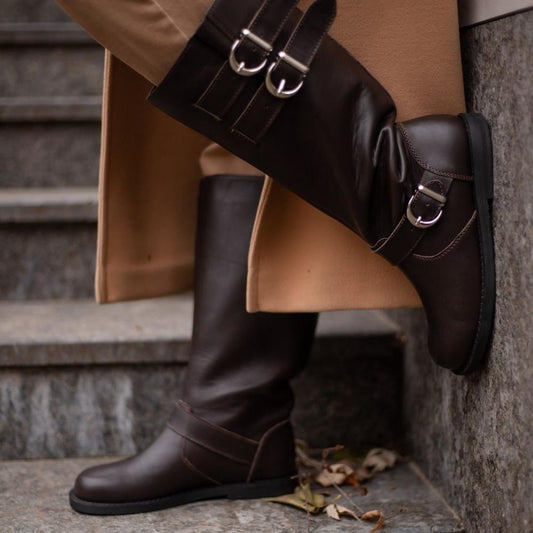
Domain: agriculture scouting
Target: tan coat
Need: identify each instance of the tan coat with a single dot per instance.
(300, 259)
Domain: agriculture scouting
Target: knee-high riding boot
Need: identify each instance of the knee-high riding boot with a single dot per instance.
(273, 88)
(230, 435)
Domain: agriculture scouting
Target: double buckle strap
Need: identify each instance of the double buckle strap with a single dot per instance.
(279, 91)
(242, 69)
(418, 222)
(240, 66)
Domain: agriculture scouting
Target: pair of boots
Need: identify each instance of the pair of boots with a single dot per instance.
(271, 86)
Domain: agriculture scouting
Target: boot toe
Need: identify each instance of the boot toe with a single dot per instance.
(97, 484)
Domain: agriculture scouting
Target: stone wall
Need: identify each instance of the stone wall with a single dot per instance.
(473, 435)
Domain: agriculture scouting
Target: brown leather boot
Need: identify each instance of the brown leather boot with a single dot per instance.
(231, 434)
(273, 88)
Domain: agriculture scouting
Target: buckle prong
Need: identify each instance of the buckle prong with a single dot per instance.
(240, 66)
(418, 222)
(279, 91)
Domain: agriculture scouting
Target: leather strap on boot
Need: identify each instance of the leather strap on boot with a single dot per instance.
(286, 74)
(424, 210)
(210, 436)
(253, 43)
(236, 454)
(250, 49)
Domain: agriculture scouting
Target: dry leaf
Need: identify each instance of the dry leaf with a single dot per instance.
(304, 499)
(336, 511)
(379, 459)
(332, 512)
(379, 526)
(344, 511)
(374, 516)
(336, 474)
(308, 496)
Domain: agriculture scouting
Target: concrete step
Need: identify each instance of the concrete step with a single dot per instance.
(50, 70)
(71, 204)
(81, 379)
(43, 33)
(52, 260)
(32, 11)
(35, 498)
(49, 154)
(50, 109)
(49, 243)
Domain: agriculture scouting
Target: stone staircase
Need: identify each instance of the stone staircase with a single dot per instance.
(81, 380)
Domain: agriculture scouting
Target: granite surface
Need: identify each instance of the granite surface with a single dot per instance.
(34, 498)
(47, 205)
(47, 261)
(51, 70)
(473, 435)
(33, 155)
(32, 11)
(346, 396)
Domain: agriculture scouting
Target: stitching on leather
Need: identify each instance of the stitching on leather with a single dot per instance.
(280, 26)
(188, 438)
(319, 40)
(248, 109)
(244, 136)
(424, 164)
(410, 251)
(203, 110)
(264, 438)
(450, 246)
(215, 427)
(394, 232)
(210, 89)
(245, 112)
(220, 26)
(194, 468)
(258, 14)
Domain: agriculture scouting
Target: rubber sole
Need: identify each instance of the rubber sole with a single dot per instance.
(234, 491)
(481, 157)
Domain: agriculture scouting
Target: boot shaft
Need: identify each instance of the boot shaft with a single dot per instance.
(241, 363)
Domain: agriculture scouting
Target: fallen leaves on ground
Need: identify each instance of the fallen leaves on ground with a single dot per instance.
(346, 470)
(302, 498)
(379, 459)
(375, 516)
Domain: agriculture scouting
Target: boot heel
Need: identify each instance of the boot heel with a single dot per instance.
(481, 160)
(267, 488)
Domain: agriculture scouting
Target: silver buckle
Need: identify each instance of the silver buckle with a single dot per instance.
(417, 221)
(280, 91)
(240, 67)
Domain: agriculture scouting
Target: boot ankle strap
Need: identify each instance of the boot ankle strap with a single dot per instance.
(218, 440)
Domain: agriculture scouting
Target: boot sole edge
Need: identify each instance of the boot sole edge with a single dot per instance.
(479, 138)
(234, 491)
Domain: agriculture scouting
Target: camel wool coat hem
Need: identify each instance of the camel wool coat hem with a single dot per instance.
(300, 259)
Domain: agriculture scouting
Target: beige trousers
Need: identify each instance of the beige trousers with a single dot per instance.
(149, 35)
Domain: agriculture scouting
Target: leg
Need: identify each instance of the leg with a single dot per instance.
(310, 116)
(147, 35)
(393, 194)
